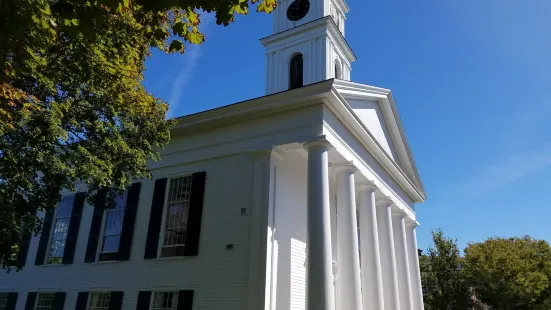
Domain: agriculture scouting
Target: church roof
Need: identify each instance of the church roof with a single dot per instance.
(334, 94)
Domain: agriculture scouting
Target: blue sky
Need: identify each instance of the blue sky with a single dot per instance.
(472, 81)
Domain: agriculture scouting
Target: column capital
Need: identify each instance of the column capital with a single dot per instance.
(368, 186)
(397, 212)
(385, 202)
(411, 223)
(320, 141)
(344, 166)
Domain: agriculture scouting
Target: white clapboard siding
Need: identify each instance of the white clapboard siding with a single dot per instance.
(218, 276)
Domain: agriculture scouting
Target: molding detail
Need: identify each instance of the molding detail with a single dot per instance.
(412, 223)
(385, 202)
(397, 212)
(320, 141)
(366, 186)
(321, 23)
(346, 166)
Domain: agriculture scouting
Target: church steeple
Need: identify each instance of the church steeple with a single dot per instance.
(308, 44)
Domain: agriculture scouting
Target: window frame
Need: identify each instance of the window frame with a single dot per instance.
(292, 84)
(88, 302)
(161, 245)
(52, 231)
(174, 298)
(339, 69)
(38, 298)
(100, 254)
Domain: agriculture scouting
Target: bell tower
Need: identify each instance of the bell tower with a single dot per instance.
(307, 45)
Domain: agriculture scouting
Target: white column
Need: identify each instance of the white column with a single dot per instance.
(319, 262)
(414, 269)
(349, 294)
(388, 258)
(372, 279)
(402, 260)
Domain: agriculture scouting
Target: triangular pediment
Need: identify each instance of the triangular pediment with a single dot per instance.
(371, 115)
(376, 110)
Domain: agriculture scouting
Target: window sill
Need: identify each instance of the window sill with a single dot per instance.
(55, 265)
(108, 262)
(170, 258)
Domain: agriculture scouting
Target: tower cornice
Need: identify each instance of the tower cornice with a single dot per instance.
(342, 5)
(326, 22)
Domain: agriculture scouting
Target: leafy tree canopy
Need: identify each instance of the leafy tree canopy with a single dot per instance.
(510, 273)
(443, 277)
(72, 106)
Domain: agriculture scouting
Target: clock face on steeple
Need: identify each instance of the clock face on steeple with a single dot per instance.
(298, 9)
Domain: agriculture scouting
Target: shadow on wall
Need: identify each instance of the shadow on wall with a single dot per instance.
(290, 238)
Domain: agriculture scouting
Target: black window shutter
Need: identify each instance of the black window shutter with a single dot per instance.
(185, 300)
(132, 199)
(144, 298)
(82, 301)
(12, 301)
(44, 238)
(155, 219)
(74, 225)
(31, 299)
(195, 213)
(59, 301)
(95, 227)
(115, 303)
(23, 248)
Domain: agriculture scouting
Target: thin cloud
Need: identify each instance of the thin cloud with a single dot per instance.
(183, 78)
(190, 62)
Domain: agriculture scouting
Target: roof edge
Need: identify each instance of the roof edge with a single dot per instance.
(259, 104)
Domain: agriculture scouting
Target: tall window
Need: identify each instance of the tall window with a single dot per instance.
(99, 301)
(112, 227)
(3, 301)
(296, 78)
(338, 70)
(165, 301)
(61, 228)
(44, 301)
(176, 215)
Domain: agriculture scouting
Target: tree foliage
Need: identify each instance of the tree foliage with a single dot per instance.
(443, 277)
(510, 273)
(72, 106)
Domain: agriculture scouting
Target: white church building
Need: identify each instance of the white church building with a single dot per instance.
(301, 199)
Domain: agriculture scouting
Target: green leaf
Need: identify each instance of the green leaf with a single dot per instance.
(176, 46)
(267, 6)
(180, 29)
(160, 33)
(193, 17)
(195, 37)
(241, 8)
(70, 22)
